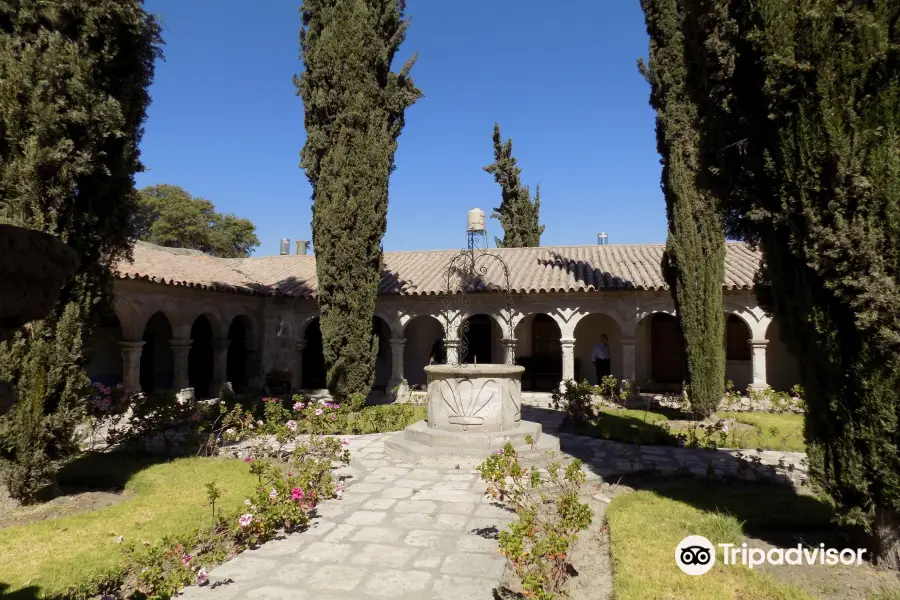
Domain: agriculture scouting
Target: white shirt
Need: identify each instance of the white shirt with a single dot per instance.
(601, 351)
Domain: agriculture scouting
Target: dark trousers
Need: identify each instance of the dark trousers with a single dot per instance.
(602, 369)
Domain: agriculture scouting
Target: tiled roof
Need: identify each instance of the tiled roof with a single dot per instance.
(545, 269)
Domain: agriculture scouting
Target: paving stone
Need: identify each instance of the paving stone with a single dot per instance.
(414, 521)
(365, 517)
(390, 471)
(416, 484)
(329, 510)
(426, 474)
(446, 495)
(397, 492)
(325, 552)
(270, 592)
(464, 588)
(495, 511)
(246, 568)
(383, 555)
(366, 488)
(476, 543)
(339, 533)
(379, 479)
(429, 558)
(457, 508)
(415, 506)
(377, 534)
(336, 577)
(397, 583)
(375, 463)
(429, 538)
(296, 573)
(452, 485)
(449, 522)
(462, 477)
(480, 565)
(378, 504)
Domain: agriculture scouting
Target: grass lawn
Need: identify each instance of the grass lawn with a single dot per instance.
(47, 558)
(769, 431)
(646, 526)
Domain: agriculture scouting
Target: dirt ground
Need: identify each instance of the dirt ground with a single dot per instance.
(70, 502)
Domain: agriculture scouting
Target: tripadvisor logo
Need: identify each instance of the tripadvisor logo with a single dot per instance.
(696, 555)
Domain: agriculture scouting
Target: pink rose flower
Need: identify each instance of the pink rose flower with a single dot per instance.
(245, 520)
(298, 406)
(318, 411)
(292, 425)
(297, 494)
(185, 559)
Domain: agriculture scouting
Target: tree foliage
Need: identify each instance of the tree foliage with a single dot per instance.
(355, 111)
(694, 261)
(169, 216)
(518, 214)
(800, 106)
(74, 76)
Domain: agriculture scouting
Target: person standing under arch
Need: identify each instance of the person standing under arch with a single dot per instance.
(602, 358)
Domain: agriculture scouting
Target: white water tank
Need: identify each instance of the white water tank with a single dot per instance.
(476, 220)
(285, 247)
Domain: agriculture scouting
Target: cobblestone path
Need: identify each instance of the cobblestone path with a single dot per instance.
(405, 532)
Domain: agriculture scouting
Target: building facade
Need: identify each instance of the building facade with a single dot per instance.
(190, 320)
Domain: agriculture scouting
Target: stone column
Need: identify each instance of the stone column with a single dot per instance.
(758, 361)
(397, 345)
(131, 365)
(509, 351)
(451, 348)
(568, 358)
(180, 351)
(297, 382)
(628, 359)
(220, 366)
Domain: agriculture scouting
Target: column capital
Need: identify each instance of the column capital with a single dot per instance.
(454, 343)
(509, 341)
(567, 342)
(758, 343)
(221, 344)
(629, 341)
(128, 345)
(397, 341)
(182, 344)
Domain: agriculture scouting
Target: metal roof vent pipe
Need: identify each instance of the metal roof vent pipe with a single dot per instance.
(285, 247)
(302, 247)
(602, 239)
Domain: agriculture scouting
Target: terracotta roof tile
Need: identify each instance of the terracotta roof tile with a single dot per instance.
(545, 269)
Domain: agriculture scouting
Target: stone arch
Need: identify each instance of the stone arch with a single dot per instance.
(130, 317)
(782, 368)
(200, 356)
(383, 361)
(103, 354)
(539, 350)
(484, 339)
(660, 352)
(157, 359)
(238, 368)
(587, 333)
(738, 354)
(422, 332)
(392, 319)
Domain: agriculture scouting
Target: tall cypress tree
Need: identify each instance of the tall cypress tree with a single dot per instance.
(694, 260)
(801, 131)
(355, 107)
(74, 76)
(518, 214)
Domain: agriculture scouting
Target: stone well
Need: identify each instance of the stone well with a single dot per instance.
(472, 411)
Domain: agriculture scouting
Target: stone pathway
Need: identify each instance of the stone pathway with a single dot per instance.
(405, 532)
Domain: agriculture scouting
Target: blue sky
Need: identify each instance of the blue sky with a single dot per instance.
(560, 78)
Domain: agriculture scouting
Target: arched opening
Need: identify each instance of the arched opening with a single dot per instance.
(662, 352)
(383, 361)
(738, 367)
(237, 368)
(200, 357)
(782, 369)
(421, 334)
(483, 340)
(104, 357)
(313, 367)
(539, 350)
(588, 333)
(157, 360)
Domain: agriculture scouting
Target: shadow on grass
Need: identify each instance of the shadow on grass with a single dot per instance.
(777, 514)
(107, 471)
(622, 428)
(29, 593)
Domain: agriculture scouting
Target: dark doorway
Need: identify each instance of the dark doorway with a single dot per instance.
(667, 355)
(479, 347)
(200, 357)
(313, 367)
(157, 362)
(237, 362)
